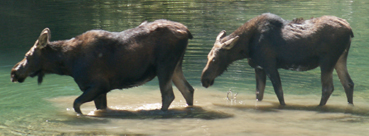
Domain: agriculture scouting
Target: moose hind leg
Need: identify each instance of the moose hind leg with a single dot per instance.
(260, 83)
(167, 94)
(327, 83)
(165, 83)
(183, 86)
(343, 75)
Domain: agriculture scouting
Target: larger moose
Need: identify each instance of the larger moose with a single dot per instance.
(270, 42)
(100, 61)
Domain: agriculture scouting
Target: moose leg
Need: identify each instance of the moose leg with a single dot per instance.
(260, 83)
(277, 85)
(101, 102)
(327, 81)
(166, 93)
(343, 75)
(88, 95)
(165, 83)
(183, 86)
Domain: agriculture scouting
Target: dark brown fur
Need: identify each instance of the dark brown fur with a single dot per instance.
(100, 61)
(269, 43)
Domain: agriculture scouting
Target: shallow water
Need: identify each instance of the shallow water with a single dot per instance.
(29, 109)
(135, 111)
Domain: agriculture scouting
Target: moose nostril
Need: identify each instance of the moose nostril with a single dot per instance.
(13, 77)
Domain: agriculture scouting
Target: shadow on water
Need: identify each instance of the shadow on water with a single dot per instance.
(105, 116)
(276, 107)
(97, 133)
(176, 113)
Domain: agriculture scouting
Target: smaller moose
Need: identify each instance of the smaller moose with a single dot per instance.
(269, 42)
(100, 61)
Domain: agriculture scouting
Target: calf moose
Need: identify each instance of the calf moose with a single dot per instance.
(100, 61)
(269, 42)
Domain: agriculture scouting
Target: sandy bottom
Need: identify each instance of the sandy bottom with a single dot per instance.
(135, 111)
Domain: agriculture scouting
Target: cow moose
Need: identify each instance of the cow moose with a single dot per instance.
(270, 42)
(100, 61)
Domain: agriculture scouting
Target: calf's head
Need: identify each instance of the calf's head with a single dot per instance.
(221, 55)
(31, 65)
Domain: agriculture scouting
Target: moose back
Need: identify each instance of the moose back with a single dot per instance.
(100, 61)
(270, 42)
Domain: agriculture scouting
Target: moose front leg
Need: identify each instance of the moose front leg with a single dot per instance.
(95, 92)
(101, 102)
(260, 83)
(273, 75)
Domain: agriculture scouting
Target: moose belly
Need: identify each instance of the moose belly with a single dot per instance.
(298, 63)
(299, 67)
(133, 79)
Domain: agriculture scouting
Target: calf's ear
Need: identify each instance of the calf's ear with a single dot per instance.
(230, 43)
(44, 38)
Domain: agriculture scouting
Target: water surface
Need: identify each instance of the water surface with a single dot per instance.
(47, 109)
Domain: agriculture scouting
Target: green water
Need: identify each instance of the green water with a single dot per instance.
(28, 108)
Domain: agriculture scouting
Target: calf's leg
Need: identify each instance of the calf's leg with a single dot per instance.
(183, 86)
(343, 75)
(260, 83)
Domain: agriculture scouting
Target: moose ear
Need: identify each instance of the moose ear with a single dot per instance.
(44, 38)
(143, 23)
(220, 35)
(230, 43)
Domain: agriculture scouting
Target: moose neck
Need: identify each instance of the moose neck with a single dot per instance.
(57, 59)
(252, 25)
(245, 32)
